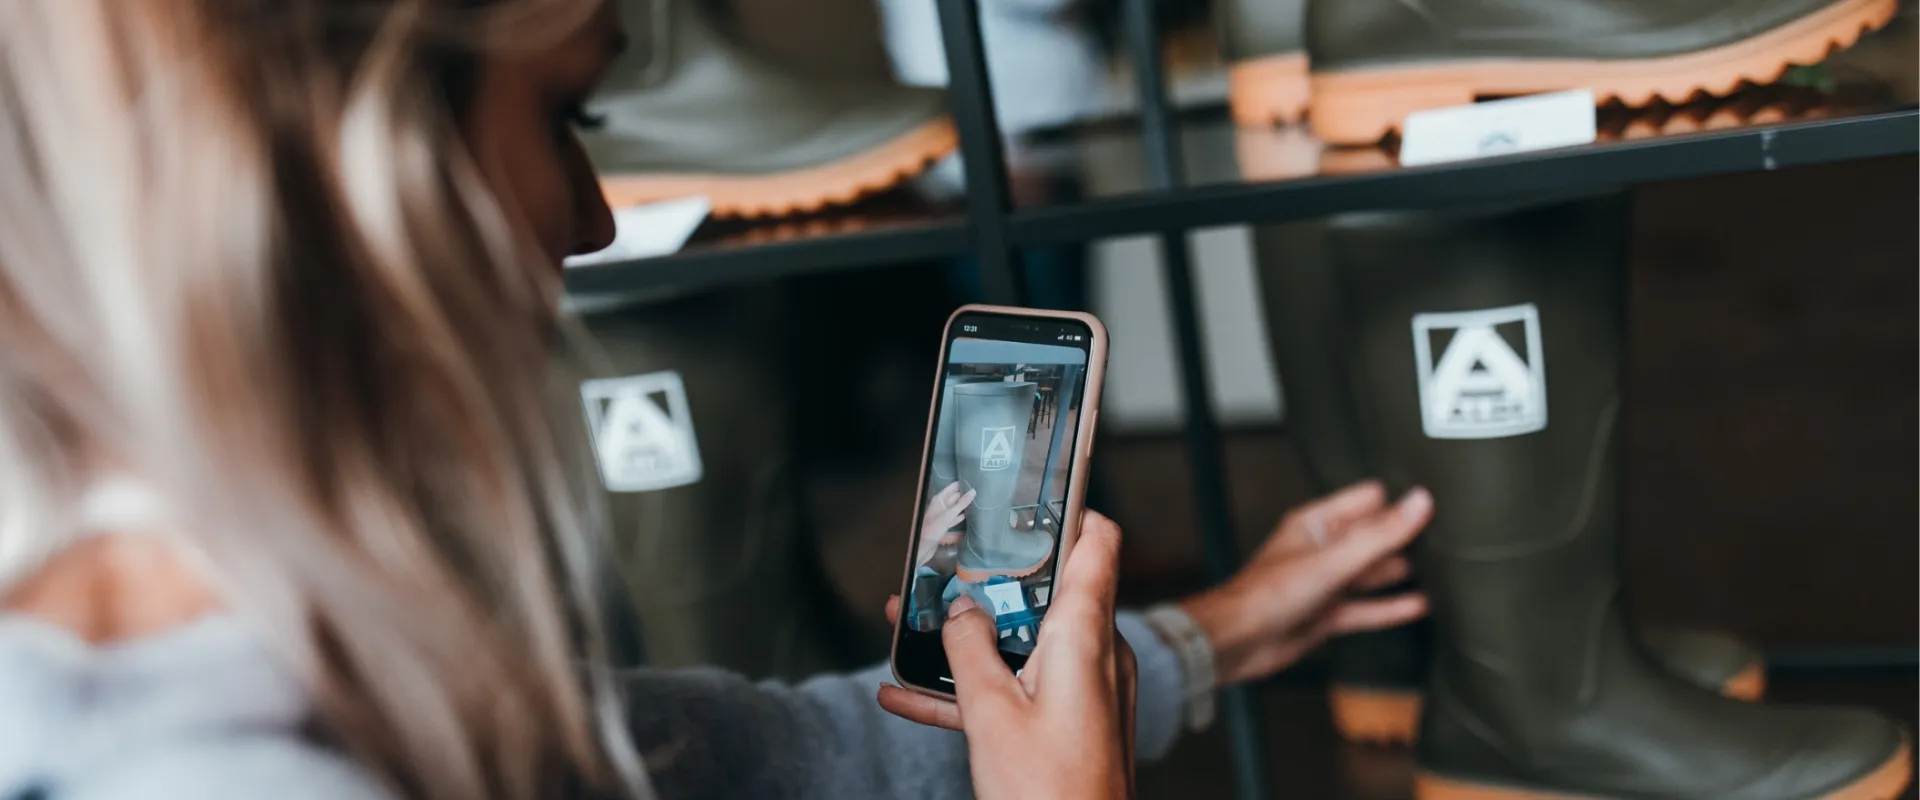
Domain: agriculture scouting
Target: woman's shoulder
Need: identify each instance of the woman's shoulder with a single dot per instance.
(202, 709)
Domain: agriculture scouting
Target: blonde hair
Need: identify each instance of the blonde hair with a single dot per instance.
(245, 256)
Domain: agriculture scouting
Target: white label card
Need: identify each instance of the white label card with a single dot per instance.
(1498, 127)
(1006, 597)
(650, 231)
(642, 432)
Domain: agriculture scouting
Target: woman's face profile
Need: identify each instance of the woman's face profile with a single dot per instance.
(522, 130)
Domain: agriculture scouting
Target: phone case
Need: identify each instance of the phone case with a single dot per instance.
(1082, 450)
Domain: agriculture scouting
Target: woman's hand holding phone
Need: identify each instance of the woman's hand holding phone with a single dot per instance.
(1063, 726)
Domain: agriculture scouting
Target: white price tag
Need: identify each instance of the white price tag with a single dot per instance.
(1498, 127)
(1006, 597)
(655, 229)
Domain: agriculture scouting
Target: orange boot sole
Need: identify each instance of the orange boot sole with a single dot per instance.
(1269, 91)
(1362, 106)
(1884, 783)
(802, 191)
(1375, 716)
(1392, 717)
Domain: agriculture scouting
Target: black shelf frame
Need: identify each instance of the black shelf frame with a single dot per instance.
(1568, 171)
(717, 266)
(993, 231)
(1180, 207)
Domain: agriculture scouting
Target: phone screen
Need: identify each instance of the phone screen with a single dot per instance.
(989, 516)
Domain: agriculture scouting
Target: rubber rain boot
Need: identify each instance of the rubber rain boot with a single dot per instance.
(1266, 53)
(990, 447)
(687, 413)
(1375, 679)
(1376, 61)
(1497, 384)
(689, 112)
(942, 471)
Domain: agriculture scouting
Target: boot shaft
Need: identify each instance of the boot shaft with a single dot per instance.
(1489, 347)
(1251, 29)
(990, 438)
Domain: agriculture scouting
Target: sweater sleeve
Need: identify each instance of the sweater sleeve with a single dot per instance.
(705, 733)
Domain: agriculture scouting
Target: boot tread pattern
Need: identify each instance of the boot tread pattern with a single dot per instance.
(801, 191)
(1364, 105)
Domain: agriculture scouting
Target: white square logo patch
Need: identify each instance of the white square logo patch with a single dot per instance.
(642, 432)
(1490, 381)
(996, 449)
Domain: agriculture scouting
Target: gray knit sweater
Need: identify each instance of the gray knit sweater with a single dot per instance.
(204, 712)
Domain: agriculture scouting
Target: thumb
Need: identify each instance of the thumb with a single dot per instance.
(973, 653)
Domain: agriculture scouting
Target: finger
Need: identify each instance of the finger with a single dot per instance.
(1080, 620)
(1090, 579)
(893, 609)
(973, 653)
(1333, 513)
(952, 490)
(916, 707)
(966, 500)
(1368, 542)
(1387, 572)
(941, 500)
(1128, 667)
(1372, 614)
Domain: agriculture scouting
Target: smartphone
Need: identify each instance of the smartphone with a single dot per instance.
(1002, 482)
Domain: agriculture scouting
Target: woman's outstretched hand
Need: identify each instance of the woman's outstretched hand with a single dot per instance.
(1308, 581)
(1062, 727)
(945, 509)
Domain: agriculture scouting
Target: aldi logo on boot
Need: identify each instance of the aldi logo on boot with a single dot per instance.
(642, 432)
(1490, 380)
(996, 449)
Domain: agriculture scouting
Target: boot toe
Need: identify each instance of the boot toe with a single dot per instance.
(1844, 754)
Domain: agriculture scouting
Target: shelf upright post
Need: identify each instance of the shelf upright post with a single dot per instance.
(1237, 712)
(988, 199)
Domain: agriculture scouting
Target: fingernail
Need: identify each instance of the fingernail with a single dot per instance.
(961, 606)
(1415, 503)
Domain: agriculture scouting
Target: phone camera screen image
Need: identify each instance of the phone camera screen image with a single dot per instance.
(1010, 395)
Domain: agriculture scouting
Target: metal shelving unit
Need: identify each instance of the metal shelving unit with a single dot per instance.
(1185, 206)
(990, 228)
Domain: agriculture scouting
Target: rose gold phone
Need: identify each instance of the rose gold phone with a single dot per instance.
(1002, 481)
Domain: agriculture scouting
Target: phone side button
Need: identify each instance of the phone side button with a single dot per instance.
(947, 679)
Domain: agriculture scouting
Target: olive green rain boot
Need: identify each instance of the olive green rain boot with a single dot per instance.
(1375, 61)
(1266, 55)
(1375, 679)
(687, 412)
(1496, 384)
(689, 112)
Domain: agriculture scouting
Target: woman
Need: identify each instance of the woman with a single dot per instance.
(281, 513)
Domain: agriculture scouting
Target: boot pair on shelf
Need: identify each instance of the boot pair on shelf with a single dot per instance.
(1480, 354)
(1356, 68)
(689, 111)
